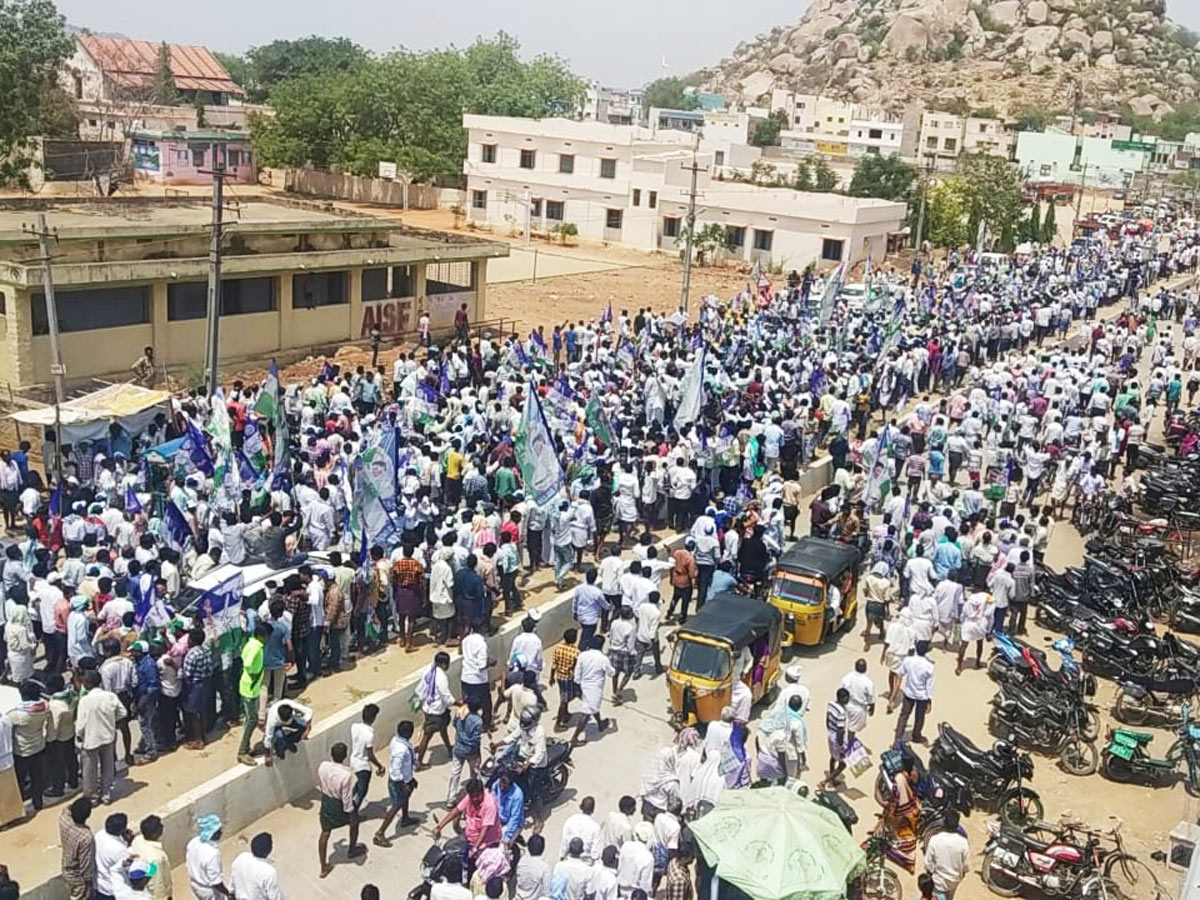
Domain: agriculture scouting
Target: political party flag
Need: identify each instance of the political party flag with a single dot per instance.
(607, 317)
(268, 398)
(178, 530)
(222, 605)
(691, 399)
(534, 448)
(834, 286)
(597, 420)
(539, 342)
(133, 505)
(444, 387)
(197, 449)
(56, 501)
(253, 448)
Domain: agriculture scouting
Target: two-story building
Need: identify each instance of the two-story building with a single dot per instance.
(629, 185)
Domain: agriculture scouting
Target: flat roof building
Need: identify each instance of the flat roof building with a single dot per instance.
(131, 273)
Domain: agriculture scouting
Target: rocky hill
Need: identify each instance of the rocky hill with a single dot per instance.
(951, 54)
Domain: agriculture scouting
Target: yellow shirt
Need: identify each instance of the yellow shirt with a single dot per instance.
(153, 852)
(454, 463)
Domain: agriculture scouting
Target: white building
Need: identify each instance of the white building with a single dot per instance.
(630, 185)
(941, 140)
(612, 105)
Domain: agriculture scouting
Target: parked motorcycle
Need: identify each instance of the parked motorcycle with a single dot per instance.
(1127, 757)
(1140, 699)
(433, 865)
(996, 777)
(1058, 728)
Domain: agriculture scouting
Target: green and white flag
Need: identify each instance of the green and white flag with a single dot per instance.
(597, 420)
(691, 400)
(534, 448)
(268, 398)
(219, 430)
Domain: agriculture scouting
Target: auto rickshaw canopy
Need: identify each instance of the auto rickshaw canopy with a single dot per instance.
(819, 556)
(733, 618)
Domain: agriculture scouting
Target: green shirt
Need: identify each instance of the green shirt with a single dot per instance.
(252, 669)
(506, 483)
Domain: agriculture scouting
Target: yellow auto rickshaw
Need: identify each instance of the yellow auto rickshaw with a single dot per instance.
(800, 589)
(731, 637)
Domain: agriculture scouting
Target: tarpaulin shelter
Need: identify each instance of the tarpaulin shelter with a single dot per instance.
(88, 418)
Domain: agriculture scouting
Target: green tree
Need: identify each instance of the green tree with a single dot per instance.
(992, 193)
(1032, 230)
(407, 107)
(885, 177)
(945, 214)
(58, 117)
(238, 68)
(1034, 118)
(668, 93)
(709, 238)
(273, 64)
(766, 132)
(1049, 226)
(803, 179)
(1173, 126)
(164, 92)
(33, 45)
(824, 178)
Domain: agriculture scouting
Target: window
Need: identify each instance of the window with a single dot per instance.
(3, 304)
(319, 289)
(488, 153)
(448, 277)
(198, 156)
(831, 249)
(950, 144)
(670, 226)
(1044, 170)
(535, 208)
(872, 151)
(528, 158)
(875, 134)
(931, 143)
(234, 158)
(479, 199)
(374, 284)
(637, 197)
(718, 157)
(554, 210)
(566, 163)
(87, 310)
(763, 239)
(403, 281)
(653, 200)
(612, 218)
(735, 236)
(608, 168)
(182, 157)
(78, 87)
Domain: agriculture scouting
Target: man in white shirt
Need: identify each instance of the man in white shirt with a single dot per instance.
(581, 825)
(575, 870)
(475, 680)
(532, 876)
(916, 686)
(252, 875)
(862, 697)
(362, 753)
(434, 693)
(112, 849)
(204, 861)
(947, 857)
(635, 862)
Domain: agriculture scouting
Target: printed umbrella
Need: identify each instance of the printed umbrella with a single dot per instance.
(775, 845)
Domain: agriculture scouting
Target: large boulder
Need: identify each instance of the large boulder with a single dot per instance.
(1102, 41)
(1073, 37)
(846, 46)
(1106, 61)
(907, 31)
(1040, 38)
(1005, 12)
(756, 84)
(1062, 5)
(785, 64)
(1037, 12)
(1039, 64)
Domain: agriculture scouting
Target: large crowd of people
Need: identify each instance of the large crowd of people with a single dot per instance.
(964, 408)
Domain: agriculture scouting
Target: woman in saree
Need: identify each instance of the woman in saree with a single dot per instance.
(901, 810)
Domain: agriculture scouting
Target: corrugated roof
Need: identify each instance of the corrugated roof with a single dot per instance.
(135, 64)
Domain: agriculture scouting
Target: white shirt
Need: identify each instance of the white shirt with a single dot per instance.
(362, 742)
(254, 879)
(474, 659)
(916, 678)
(111, 851)
(635, 866)
(203, 868)
(582, 826)
(947, 859)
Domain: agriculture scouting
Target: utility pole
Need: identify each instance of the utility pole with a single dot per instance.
(1079, 199)
(44, 235)
(921, 210)
(212, 336)
(691, 230)
(527, 198)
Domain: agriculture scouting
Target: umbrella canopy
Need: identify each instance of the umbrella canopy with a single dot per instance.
(775, 845)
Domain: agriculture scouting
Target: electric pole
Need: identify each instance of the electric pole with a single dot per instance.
(921, 211)
(56, 365)
(691, 230)
(212, 339)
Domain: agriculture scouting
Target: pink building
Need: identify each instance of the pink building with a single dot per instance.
(186, 157)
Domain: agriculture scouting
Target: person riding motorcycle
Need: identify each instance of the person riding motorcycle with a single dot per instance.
(526, 752)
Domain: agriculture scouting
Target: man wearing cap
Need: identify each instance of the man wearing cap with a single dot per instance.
(204, 860)
(132, 882)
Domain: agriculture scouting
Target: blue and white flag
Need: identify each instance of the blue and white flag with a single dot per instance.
(534, 449)
(178, 530)
(834, 287)
(133, 505)
(56, 500)
(223, 605)
(197, 449)
(691, 399)
(607, 317)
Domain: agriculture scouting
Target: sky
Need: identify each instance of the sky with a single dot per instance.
(623, 46)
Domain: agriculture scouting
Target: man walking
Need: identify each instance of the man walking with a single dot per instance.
(250, 687)
(916, 686)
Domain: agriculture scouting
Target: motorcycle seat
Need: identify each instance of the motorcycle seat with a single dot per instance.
(961, 745)
(1131, 738)
(1182, 686)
